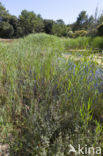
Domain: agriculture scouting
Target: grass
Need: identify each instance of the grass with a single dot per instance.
(85, 43)
(47, 103)
(97, 42)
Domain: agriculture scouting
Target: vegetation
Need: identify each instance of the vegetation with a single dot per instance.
(46, 101)
(83, 21)
(28, 22)
(100, 30)
(49, 100)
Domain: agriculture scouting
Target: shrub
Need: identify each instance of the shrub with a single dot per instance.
(70, 34)
(80, 33)
(97, 42)
(100, 30)
(92, 33)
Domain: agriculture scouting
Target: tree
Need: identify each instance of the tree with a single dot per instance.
(39, 24)
(48, 25)
(100, 20)
(19, 31)
(27, 21)
(13, 21)
(91, 26)
(96, 15)
(6, 30)
(60, 22)
(59, 28)
(91, 21)
(82, 21)
(4, 15)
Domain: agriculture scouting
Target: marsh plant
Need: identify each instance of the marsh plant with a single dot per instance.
(46, 102)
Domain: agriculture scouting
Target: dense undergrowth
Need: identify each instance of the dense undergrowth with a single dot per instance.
(46, 102)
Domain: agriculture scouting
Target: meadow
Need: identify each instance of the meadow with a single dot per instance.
(49, 101)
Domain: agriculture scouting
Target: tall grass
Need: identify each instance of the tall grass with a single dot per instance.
(97, 42)
(46, 103)
(78, 43)
(84, 43)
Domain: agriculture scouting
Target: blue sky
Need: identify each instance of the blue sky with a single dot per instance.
(67, 10)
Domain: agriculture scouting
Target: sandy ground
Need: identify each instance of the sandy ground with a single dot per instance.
(4, 150)
(7, 40)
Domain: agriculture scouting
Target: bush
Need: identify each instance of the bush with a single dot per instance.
(97, 42)
(92, 33)
(80, 33)
(100, 30)
(70, 34)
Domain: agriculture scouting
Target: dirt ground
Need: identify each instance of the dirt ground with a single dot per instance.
(7, 40)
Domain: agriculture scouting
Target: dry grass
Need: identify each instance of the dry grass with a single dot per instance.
(7, 40)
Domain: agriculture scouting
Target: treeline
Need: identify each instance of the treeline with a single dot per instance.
(28, 22)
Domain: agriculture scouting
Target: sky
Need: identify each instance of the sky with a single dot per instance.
(67, 10)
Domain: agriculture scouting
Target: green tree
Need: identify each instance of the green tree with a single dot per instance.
(6, 27)
(100, 20)
(91, 21)
(82, 21)
(60, 22)
(13, 21)
(59, 28)
(6, 30)
(39, 24)
(48, 25)
(4, 15)
(27, 22)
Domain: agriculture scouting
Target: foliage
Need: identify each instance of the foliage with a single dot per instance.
(6, 30)
(3, 13)
(100, 20)
(97, 42)
(83, 22)
(48, 25)
(92, 32)
(84, 43)
(80, 33)
(70, 34)
(100, 30)
(13, 21)
(77, 43)
(28, 22)
(46, 101)
(59, 28)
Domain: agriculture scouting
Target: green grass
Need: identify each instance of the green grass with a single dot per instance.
(84, 43)
(78, 43)
(46, 102)
(97, 42)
